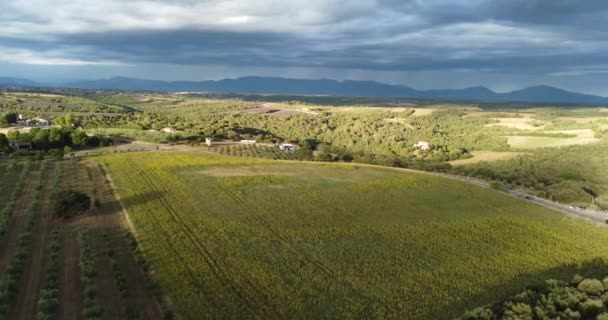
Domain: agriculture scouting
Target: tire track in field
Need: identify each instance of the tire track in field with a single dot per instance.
(232, 287)
(24, 306)
(166, 244)
(301, 256)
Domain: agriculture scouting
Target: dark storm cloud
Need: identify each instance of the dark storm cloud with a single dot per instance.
(190, 47)
(507, 36)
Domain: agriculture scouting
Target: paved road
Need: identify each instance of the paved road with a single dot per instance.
(580, 213)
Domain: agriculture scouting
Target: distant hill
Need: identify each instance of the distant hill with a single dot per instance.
(252, 85)
(551, 94)
(16, 82)
(272, 85)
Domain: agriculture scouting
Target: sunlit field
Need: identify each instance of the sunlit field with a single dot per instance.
(240, 238)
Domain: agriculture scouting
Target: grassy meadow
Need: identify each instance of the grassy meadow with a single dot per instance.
(244, 238)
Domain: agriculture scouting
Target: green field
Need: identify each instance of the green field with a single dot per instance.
(242, 238)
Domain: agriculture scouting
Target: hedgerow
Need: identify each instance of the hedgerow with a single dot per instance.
(48, 300)
(7, 212)
(88, 277)
(9, 280)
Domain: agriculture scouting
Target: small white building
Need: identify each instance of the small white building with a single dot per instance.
(424, 145)
(247, 141)
(288, 147)
(39, 121)
(209, 141)
(168, 130)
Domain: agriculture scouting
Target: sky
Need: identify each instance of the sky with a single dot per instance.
(424, 44)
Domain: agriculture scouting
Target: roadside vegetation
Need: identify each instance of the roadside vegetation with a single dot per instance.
(573, 174)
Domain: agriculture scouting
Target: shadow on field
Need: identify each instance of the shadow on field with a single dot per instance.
(140, 199)
(597, 268)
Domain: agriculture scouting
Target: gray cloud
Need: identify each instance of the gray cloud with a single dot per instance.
(521, 37)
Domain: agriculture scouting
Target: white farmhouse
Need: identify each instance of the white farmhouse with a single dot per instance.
(40, 121)
(168, 130)
(287, 147)
(209, 141)
(424, 145)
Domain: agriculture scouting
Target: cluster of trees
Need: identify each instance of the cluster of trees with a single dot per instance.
(53, 141)
(35, 104)
(577, 299)
(377, 132)
(371, 136)
(573, 174)
(366, 137)
(8, 118)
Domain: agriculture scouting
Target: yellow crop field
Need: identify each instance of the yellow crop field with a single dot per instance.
(244, 238)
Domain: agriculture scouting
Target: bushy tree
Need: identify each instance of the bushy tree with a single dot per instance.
(591, 286)
(70, 203)
(10, 117)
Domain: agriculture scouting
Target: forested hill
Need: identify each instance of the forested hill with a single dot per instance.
(343, 88)
(347, 88)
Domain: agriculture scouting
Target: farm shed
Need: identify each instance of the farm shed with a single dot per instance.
(19, 145)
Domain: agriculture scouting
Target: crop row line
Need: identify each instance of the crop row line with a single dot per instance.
(8, 210)
(215, 268)
(9, 282)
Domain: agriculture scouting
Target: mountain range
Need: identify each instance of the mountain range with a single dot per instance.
(272, 85)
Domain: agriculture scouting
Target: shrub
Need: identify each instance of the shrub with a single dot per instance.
(591, 286)
(603, 316)
(497, 185)
(592, 307)
(70, 203)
